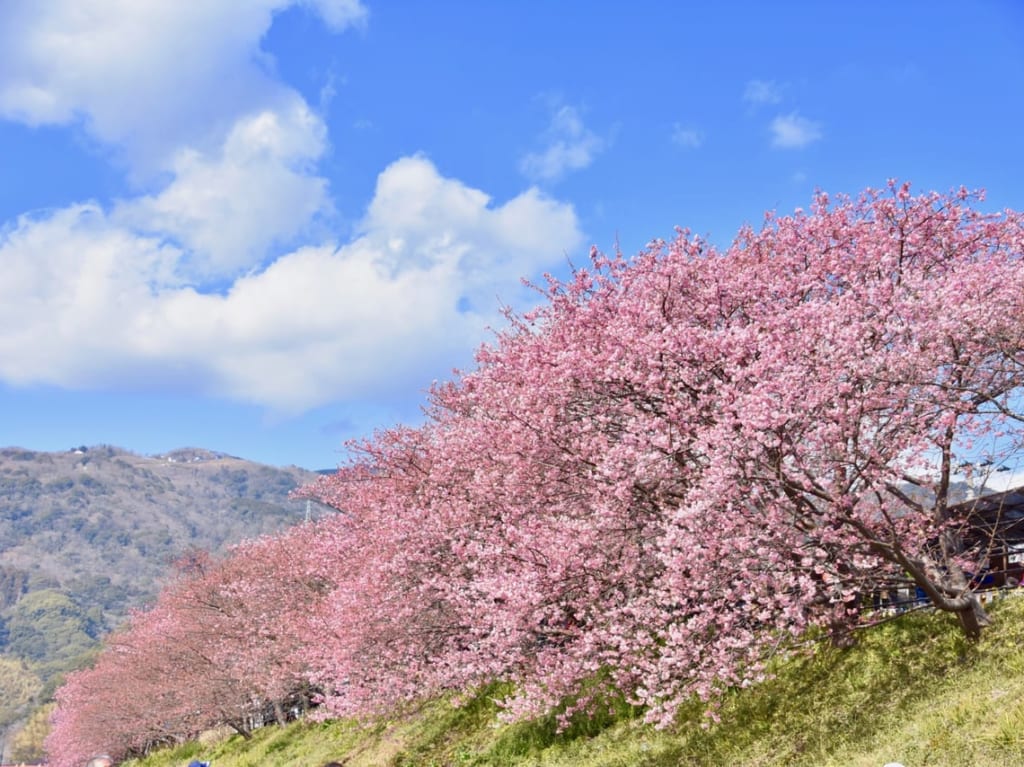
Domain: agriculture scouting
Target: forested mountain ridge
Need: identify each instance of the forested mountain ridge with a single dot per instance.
(88, 533)
(103, 524)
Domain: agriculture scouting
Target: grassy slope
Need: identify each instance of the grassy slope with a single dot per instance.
(911, 691)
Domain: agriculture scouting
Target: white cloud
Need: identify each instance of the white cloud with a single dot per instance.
(339, 14)
(68, 280)
(258, 189)
(90, 301)
(145, 77)
(794, 132)
(185, 287)
(687, 137)
(232, 169)
(570, 146)
(759, 92)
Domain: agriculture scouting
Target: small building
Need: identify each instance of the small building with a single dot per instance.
(995, 524)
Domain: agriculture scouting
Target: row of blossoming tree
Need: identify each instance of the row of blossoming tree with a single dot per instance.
(679, 464)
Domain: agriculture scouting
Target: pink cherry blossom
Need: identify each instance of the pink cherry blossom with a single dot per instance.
(678, 465)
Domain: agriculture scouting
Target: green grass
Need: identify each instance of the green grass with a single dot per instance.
(910, 691)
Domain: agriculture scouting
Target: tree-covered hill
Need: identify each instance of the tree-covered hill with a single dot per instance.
(89, 533)
(102, 524)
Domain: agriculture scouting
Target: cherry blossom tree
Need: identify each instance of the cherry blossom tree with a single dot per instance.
(678, 465)
(223, 644)
(686, 457)
(250, 615)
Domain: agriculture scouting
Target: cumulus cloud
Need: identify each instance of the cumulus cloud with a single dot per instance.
(93, 301)
(760, 92)
(198, 283)
(569, 146)
(232, 171)
(794, 132)
(227, 207)
(144, 77)
(68, 277)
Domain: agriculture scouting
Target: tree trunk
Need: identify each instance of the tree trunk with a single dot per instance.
(241, 729)
(973, 618)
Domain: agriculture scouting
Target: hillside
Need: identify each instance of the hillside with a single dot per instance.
(103, 524)
(910, 691)
(88, 533)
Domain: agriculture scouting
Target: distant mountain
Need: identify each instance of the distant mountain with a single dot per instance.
(103, 524)
(89, 533)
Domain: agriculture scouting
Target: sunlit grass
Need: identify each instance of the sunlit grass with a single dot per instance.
(910, 691)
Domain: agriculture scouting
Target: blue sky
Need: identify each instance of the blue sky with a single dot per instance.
(265, 227)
